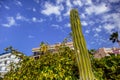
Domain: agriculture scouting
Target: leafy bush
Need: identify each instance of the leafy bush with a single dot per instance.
(62, 66)
(58, 66)
(1, 78)
(107, 68)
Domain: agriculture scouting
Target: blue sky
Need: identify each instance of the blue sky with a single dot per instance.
(25, 23)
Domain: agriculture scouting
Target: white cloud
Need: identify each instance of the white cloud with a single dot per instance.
(113, 18)
(77, 2)
(18, 3)
(7, 7)
(85, 2)
(69, 7)
(55, 26)
(20, 17)
(11, 22)
(82, 15)
(99, 9)
(37, 1)
(113, 21)
(97, 29)
(92, 43)
(59, 1)
(30, 36)
(91, 22)
(67, 25)
(118, 9)
(34, 19)
(84, 23)
(103, 40)
(52, 9)
(67, 13)
(88, 2)
(114, 1)
(109, 27)
(34, 10)
(68, 3)
(96, 35)
(87, 31)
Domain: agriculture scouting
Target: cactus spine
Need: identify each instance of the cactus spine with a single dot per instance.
(82, 56)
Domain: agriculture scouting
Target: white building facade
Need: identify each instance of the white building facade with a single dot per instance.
(5, 60)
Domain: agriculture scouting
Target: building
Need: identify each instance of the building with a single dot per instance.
(5, 60)
(102, 52)
(53, 48)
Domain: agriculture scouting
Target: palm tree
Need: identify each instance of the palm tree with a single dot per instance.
(114, 37)
(15, 52)
(64, 42)
(92, 51)
(43, 47)
(9, 49)
(70, 36)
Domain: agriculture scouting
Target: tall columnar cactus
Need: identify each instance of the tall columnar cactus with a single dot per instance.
(82, 56)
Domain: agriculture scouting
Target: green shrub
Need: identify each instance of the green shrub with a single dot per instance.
(107, 68)
(59, 66)
(63, 66)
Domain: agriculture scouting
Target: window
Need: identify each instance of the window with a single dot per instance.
(9, 56)
(5, 62)
(0, 68)
(36, 53)
(37, 57)
(5, 69)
